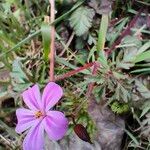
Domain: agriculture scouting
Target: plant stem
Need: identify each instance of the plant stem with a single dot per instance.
(73, 72)
(67, 44)
(52, 44)
(125, 32)
(91, 85)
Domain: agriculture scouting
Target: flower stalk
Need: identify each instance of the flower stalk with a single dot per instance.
(52, 44)
(75, 71)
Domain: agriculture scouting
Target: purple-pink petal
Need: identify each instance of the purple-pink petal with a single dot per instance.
(55, 124)
(25, 118)
(34, 140)
(32, 98)
(38, 117)
(51, 95)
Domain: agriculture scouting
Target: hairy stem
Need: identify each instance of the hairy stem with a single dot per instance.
(52, 45)
(73, 72)
(91, 85)
(125, 32)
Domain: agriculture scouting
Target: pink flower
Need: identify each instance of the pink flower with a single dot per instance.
(38, 118)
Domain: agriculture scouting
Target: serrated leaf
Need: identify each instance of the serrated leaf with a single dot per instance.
(19, 76)
(130, 53)
(146, 128)
(124, 94)
(145, 108)
(91, 40)
(81, 20)
(144, 91)
(17, 71)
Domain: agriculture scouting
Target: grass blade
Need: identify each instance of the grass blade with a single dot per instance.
(102, 32)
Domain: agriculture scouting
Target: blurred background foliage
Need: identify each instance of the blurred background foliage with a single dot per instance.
(122, 81)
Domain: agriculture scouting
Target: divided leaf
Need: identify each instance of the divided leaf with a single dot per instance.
(131, 50)
(81, 20)
(146, 126)
(19, 76)
(143, 89)
(145, 108)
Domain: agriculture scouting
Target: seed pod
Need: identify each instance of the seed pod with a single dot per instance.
(82, 133)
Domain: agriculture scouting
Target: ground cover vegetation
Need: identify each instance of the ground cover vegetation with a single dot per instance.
(101, 49)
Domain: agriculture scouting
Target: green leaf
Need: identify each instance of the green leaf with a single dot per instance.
(64, 62)
(145, 108)
(20, 78)
(103, 59)
(146, 128)
(79, 3)
(91, 54)
(91, 40)
(129, 53)
(117, 31)
(45, 30)
(143, 56)
(132, 137)
(144, 47)
(143, 70)
(119, 108)
(143, 89)
(17, 71)
(21, 43)
(8, 129)
(102, 32)
(15, 48)
(81, 20)
(118, 75)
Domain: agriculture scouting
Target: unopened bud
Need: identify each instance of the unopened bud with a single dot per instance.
(82, 133)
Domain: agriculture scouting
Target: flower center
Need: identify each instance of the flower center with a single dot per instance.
(39, 114)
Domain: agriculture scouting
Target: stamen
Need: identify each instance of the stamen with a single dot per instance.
(38, 114)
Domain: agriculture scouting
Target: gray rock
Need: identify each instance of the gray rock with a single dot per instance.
(109, 132)
(110, 127)
(71, 143)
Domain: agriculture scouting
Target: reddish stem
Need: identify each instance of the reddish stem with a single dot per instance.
(127, 31)
(73, 72)
(91, 85)
(52, 45)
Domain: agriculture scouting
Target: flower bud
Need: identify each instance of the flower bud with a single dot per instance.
(82, 133)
